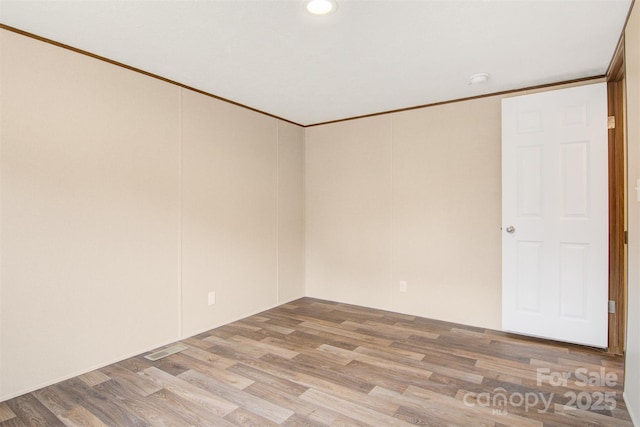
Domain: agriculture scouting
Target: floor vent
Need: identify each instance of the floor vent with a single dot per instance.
(166, 352)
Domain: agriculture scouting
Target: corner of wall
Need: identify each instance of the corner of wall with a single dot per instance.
(290, 213)
(632, 79)
(1, 118)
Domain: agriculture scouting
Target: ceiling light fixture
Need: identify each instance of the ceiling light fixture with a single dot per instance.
(321, 7)
(478, 78)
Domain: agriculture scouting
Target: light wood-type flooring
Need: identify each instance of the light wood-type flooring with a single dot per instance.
(320, 363)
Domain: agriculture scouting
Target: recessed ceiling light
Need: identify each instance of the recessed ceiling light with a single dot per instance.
(478, 78)
(321, 7)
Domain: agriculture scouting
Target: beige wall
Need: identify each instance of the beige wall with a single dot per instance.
(446, 212)
(229, 181)
(348, 211)
(89, 213)
(124, 201)
(632, 366)
(411, 196)
(290, 212)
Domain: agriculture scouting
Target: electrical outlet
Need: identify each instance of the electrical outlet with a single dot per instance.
(211, 298)
(403, 286)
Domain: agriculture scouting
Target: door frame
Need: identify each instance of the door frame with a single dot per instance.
(617, 201)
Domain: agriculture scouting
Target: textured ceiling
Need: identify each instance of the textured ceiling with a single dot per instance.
(367, 57)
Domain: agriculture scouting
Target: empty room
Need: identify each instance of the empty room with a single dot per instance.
(319, 213)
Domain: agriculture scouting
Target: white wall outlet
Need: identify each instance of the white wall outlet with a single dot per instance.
(211, 298)
(403, 286)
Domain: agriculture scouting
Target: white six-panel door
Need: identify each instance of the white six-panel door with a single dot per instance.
(555, 215)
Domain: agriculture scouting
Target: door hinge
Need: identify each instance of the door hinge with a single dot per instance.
(612, 306)
(611, 122)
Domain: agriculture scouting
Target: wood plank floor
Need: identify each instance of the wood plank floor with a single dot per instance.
(319, 363)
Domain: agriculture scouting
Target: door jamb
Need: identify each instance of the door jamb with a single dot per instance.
(617, 202)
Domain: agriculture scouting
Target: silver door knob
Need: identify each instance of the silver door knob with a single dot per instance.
(511, 229)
